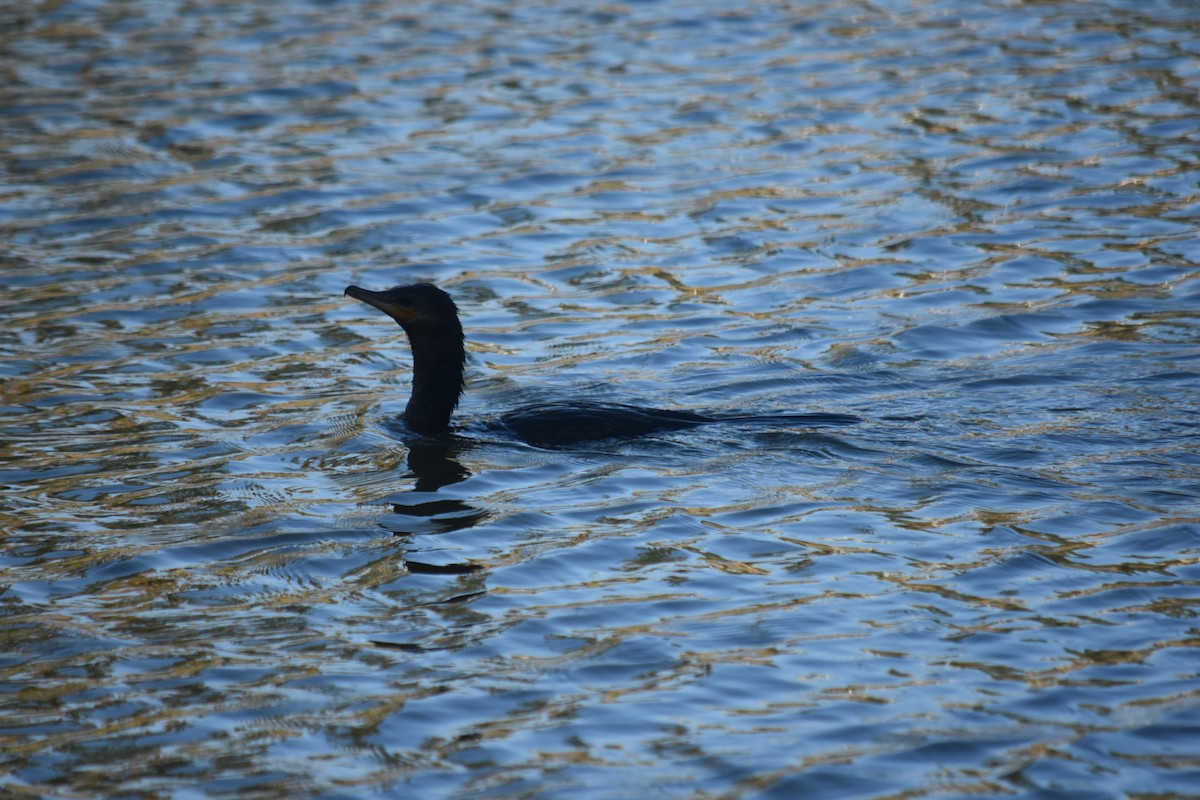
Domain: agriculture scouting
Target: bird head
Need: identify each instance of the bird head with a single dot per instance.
(418, 305)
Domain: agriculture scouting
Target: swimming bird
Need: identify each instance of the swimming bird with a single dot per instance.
(430, 319)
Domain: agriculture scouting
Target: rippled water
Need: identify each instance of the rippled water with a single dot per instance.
(226, 571)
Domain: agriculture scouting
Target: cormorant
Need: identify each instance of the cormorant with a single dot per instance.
(430, 318)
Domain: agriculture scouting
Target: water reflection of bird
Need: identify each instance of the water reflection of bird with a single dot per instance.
(430, 318)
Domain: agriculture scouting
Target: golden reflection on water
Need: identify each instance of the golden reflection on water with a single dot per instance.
(225, 569)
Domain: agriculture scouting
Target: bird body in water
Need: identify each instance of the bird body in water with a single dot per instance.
(430, 318)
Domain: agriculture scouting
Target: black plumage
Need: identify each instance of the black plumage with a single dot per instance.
(430, 318)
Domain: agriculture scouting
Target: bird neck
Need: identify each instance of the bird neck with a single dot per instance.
(438, 357)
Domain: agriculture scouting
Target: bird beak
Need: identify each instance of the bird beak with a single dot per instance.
(380, 300)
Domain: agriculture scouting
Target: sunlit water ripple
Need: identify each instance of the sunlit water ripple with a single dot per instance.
(226, 570)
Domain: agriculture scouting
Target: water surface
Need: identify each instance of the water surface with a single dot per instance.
(226, 571)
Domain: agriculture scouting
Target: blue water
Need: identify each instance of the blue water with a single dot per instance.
(226, 571)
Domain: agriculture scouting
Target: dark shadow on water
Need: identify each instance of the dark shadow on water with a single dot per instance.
(433, 464)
